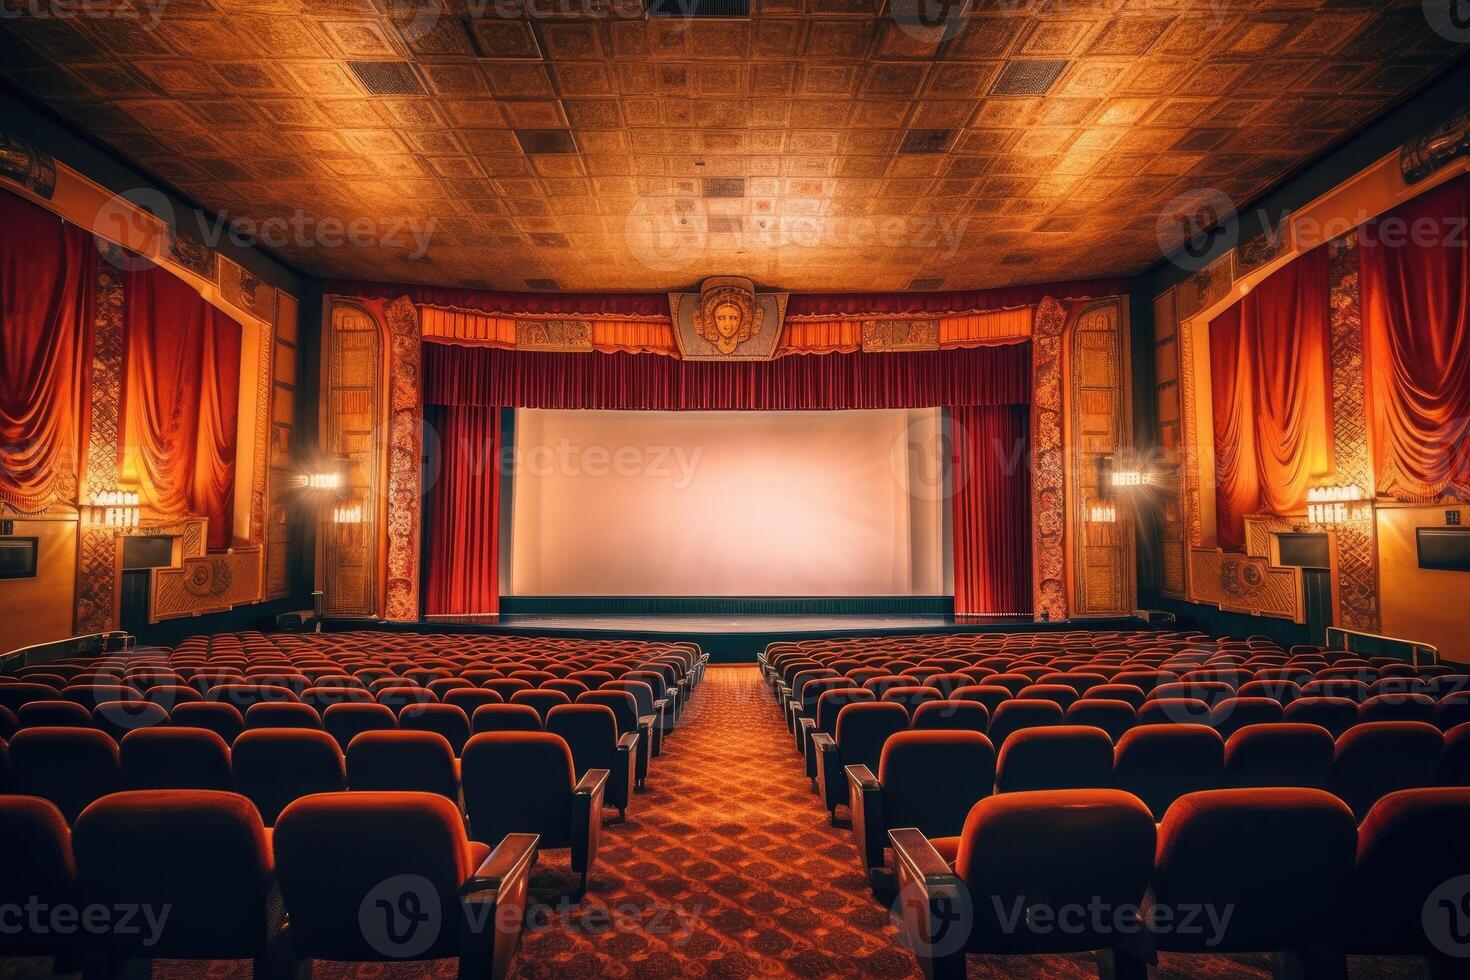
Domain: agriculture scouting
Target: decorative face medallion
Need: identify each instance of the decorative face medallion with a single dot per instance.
(727, 316)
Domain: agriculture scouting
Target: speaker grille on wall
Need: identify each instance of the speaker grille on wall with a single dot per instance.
(387, 77)
(698, 8)
(1027, 77)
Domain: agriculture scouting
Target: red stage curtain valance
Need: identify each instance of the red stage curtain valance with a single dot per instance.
(992, 509)
(1271, 382)
(529, 379)
(180, 401)
(1416, 329)
(47, 271)
(462, 512)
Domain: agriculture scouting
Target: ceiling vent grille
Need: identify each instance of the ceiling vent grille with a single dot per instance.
(1027, 77)
(724, 187)
(691, 9)
(926, 141)
(387, 77)
(546, 140)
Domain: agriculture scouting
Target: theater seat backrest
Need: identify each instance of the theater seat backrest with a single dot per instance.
(1055, 757)
(1377, 758)
(175, 758)
(332, 864)
(220, 907)
(1281, 754)
(274, 766)
(402, 761)
(71, 767)
(931, 779)
(862, 729)
(1160, 763)
(952, 716)
(35, 851)
(519, 782)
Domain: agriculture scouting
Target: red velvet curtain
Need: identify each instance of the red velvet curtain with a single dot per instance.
(1271, 386)
(1415, 265)
(531, 379)
(462, 512)
(992, 509)
(180, 401)
(47, 274)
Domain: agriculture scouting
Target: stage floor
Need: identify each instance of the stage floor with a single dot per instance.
(728, 638)
(738, 623)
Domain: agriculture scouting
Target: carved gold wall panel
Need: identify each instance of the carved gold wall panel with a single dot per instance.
(1167, 495)
(405, 461)
(1048, 465)
(281, 465)
(1100, 427)
(1357, 548)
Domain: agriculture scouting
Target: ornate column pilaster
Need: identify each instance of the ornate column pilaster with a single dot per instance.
(1048, 465)
(405, 454)
(1357, 551)
(97, 560)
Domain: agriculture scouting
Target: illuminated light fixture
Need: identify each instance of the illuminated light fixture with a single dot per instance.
(1104, 512)
(1122, 479)
(113, 508)
(1337, 504)
(347, 514)
(326, 480)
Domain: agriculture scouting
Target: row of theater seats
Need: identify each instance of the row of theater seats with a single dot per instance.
(1284, 871)
(998, 772)
(194, 875)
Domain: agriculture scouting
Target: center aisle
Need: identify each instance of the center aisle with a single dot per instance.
(727, 866)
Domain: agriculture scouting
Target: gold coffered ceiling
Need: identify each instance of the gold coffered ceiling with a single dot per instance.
(819, 145)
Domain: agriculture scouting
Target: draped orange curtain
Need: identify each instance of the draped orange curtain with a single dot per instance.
(1415, 264)
(1271, 384)
(47, 270)
(180, 401)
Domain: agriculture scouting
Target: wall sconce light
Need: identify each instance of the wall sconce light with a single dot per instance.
(1105, 512)
(1337, 505)
(325, 480)
(1125, 479)
(113, 508)
(347, 514)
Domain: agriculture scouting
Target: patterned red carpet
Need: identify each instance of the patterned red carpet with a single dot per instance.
(727, 867)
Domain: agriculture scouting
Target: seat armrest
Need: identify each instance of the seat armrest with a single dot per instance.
(628, 742)
(808, 727)
(493, 908)
(828, 770)
(935, 904)
(865, 798)
(587, 821)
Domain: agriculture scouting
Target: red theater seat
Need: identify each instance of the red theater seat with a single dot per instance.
(862, 729)
(1281, 859)
(406, 761)
(524, 783)
(1113, 717)
(1233, 714)
(625, 711)
(346, 721)
(54, 714)
(274, 766)
(1017, 714)
(467, 699)
(225, 720)
(36, 853)
(1410, 846)
(1382, 757)
(443, 719)
(1284, 754)
(175, 758)
(591, 732)
(202, 855)
(925, 780)
(950, 716)
(1173, 711)
(1160, 763)
(506, 718)
(337, 878)
(1397, 707)
(281, 715)
(71, 767)
(1053, 758)
(1071, 849)
(1454, 761)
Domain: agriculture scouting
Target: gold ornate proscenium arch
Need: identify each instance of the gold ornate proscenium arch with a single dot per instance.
(372, 417)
